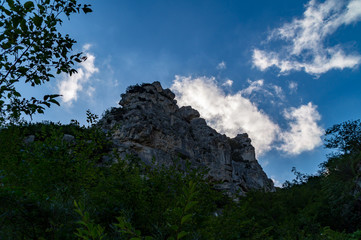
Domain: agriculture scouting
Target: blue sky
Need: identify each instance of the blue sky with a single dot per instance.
(282, 71)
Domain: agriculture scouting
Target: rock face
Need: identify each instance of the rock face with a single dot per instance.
(149, 124)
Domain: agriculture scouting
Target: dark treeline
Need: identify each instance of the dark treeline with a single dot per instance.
(58, 182)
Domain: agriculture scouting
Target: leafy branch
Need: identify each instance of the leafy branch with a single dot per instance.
(88, 229)
(183, 212)
(32, 50)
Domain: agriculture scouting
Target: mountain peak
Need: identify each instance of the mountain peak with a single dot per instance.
(150, 125)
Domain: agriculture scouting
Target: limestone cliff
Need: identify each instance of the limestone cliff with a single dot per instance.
(150, 124)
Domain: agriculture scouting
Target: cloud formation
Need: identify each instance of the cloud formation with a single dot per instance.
(232, 114)
(255, 86)
(229, 114)
(70, 86)
(304, 133)
(304, 39)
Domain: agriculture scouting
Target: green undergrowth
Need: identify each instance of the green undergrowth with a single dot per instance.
(53, 188)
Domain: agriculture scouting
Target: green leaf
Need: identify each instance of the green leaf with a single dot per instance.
(190, 205)
(18, 48)
(10, 3)
(86, 9)
(23, 70)
(47, 104)
(82, 223)
(12, 81)
(16, 22)
(54, 101)
(29, 4)
(17, 94)
(186, 218)
(174, 227)
(192, 186)
(6, 45)
(181, 234)
(191, 196)
(37, 20)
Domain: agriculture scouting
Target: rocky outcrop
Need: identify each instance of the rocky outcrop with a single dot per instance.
(150, 125)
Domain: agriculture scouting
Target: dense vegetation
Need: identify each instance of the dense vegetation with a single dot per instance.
(54, 186)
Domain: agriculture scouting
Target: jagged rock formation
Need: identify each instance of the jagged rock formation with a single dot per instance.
(149, 124)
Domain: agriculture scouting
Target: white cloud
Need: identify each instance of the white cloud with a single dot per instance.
(304, 133)
(221, 65)
(305, 37)
(232, 114)
(293, 86)
(264, 60)
(86, 47)
(228, 114)
(90, 91)
(353, 13)
(228, 83)
(279, 92)
(70, 86)
(254, 86)
(259, 86)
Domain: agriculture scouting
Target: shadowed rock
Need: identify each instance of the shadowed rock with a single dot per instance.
(149, 124)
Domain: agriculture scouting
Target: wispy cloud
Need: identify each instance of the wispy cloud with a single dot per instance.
(254, 86)
(304, 40)
(228, 83)
(90, 91)
(86, 47)
(221, 65)
(232, 114)
(259, 86)
(279, 91)
(293, 86)
(70, 86)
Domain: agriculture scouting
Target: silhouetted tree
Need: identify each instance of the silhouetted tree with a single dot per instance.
(32, 50)
(345, 137)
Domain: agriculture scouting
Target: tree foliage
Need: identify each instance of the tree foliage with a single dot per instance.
(53, 188)
(345, 137)
(33, 50)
